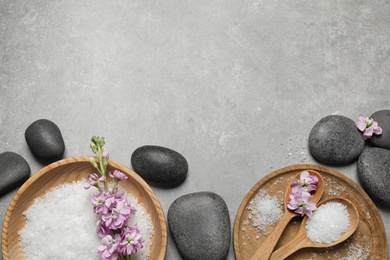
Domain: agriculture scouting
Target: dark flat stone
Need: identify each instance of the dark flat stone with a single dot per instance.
(200, 226)
(374, 174)
(383, 119)
(159, 165)
(336, 140)
(45, 140)
(14, 171)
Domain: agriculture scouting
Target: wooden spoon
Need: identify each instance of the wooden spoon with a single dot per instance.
(302, 241)
(266, 249)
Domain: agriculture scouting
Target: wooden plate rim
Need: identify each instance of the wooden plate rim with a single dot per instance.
(77, 159)
(300, 167)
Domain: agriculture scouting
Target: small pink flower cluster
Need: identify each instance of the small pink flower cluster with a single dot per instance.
(300, 195)
(117, 237)
(368, 126)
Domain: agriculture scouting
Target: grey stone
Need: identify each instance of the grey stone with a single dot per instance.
(45, 140)
(336, 140)
(383, 119)
(374, 173)
(14, 171)
(159, 165)
(200, 226)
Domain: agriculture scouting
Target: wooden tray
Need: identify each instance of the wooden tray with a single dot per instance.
(369, 238)
(67, 171)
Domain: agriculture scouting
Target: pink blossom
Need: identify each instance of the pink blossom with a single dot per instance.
(118, 215)
(306, 183)
(99, 202)
(94, 179)
(132, 241)
(368, 126)
(102, 230)
(109, 248)
(300, 203)
(119, 175)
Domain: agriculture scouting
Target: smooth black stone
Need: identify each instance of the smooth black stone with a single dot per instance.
(45, 140)
(336, 140)
(374, 174)
(200, 226)
(383, 119)
(14, 171)
(159, 165)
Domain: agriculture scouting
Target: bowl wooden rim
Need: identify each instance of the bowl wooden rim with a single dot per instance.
(38, 174)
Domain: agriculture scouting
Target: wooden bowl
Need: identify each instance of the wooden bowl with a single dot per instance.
(67, 171)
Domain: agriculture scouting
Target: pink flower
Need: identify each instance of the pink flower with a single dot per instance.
(102, 230)
(94, 179)
(306, 183)
(300, 203)
(368, 126)
(109, 248)
(118, 215)
(99, 202)
(132, 241)
(119, 175)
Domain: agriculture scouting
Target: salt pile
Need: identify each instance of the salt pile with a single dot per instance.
(328, 223)
(62, 225)
(265, 209)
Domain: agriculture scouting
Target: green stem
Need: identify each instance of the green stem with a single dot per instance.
(103, 170)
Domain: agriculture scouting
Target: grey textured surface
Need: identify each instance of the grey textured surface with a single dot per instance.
(373, 171)
(383, 119)
(199, 224)
(235, 86)
(336, 140)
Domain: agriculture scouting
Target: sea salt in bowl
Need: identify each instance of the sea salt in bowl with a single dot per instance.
(67, 171)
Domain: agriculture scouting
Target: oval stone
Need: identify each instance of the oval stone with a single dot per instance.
(383, 119)
(374, 174)
(159, 165)
(200, 226)
(336, 140)
(14, 171)
(45, 140)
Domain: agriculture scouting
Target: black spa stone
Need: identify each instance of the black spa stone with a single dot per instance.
(14, 171)
(45, 140)
(374, 174)
(383, 119)
(336, 140)
(200, 226)
(159, 166)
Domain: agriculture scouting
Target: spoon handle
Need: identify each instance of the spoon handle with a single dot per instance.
(266, 249)
(298, 242)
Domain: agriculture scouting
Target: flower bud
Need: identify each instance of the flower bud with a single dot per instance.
(93, 161)
(105, 154)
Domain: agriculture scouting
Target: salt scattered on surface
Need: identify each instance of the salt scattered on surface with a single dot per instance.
(265, 210)
(62, 225)
(328, 223)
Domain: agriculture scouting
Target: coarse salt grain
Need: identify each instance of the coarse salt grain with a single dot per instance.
(328, 223)
(62, 225)
(265, 209)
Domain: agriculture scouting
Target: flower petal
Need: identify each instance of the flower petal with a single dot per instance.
(360, 125)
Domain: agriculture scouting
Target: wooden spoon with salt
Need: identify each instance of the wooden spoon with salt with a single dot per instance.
(266, 249)
(301, 240)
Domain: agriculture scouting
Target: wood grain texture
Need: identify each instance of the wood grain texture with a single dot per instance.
(370, 233)
(67, 171)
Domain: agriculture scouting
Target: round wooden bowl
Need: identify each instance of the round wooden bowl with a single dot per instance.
(67, 171)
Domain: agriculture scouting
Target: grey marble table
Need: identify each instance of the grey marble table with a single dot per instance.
(234, 86)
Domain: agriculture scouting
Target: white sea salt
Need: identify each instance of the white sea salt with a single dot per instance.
(265, 210)
(62, 225)
(328, 223)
